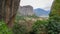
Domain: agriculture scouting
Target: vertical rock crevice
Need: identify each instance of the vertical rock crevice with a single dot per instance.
(8, 10)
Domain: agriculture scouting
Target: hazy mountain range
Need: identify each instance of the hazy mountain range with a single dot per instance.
(41, 12)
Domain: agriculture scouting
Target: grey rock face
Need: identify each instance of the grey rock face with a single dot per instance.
(26, 10)
(8, 9)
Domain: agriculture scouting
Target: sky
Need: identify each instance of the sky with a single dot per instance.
(44, 4)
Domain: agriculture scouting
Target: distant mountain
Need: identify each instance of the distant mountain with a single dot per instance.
(41, 12)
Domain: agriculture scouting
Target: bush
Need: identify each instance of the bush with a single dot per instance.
(19, 29)
(4, 29)
(39, 27)
(54, 25)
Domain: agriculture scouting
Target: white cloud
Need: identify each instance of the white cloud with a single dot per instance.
(44, 4)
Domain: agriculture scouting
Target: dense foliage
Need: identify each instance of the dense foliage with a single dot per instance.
(54, 25)
(4, 29)
(39, 27)
(19, 29)
(55, 9)
(54, 20)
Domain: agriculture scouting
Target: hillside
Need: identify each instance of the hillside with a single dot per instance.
(55, 9)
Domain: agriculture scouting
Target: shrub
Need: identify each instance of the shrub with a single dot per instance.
(4, 29)
(54, 25)
(39, 27)
(19, 29)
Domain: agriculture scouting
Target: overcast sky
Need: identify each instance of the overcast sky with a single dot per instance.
(44, 4)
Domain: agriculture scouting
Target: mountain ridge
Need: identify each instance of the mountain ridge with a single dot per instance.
(41, 12)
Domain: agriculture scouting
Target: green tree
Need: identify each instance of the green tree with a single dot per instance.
(54, 20)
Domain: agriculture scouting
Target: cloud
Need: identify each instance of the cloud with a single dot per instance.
(44, 4)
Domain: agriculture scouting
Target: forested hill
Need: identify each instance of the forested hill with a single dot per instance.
(55, 9)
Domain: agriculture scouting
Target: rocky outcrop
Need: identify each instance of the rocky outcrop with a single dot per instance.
(26, 10)
(8, 9)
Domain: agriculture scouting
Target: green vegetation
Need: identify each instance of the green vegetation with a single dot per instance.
(54, 20)
(55, 9)
(39, 27)
(4, 29)
(19, 29)
(51, 26)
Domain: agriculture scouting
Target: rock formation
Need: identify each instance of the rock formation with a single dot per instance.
(26, 10)
(8, 9)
